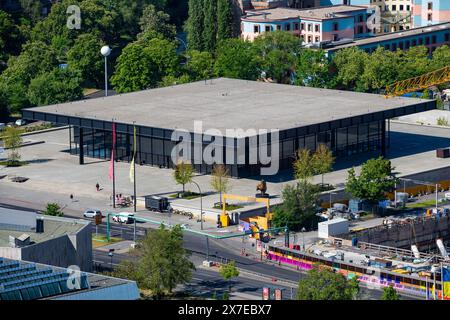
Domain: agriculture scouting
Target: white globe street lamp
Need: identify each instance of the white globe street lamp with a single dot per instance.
(106, 51)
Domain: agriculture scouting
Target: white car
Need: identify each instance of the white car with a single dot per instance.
(123, 217)
(20, 122)
(91, 213)
(447, 196)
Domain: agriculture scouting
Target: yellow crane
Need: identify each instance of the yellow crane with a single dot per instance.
(422, 82)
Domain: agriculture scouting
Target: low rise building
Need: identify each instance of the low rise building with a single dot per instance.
(50, 240)
(431, 37)
(22, 280)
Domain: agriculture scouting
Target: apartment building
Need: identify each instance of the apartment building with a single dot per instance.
(315, 25)
(430, 12)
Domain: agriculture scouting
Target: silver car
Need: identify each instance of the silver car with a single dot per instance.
(91, 213)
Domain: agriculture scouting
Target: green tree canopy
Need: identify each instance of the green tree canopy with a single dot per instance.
(224, 20)
(324, 284)
(237, 58)
(53, 209)
(12, 140)
(374, 181)
(199, 65)
(322, 160)
(389, 293)
(220, 181)
(162, 263)
(209, 33)
(350, 65)
(183, 173)
(56, 86)
(85, 58)
(194, 25)
(312, 69)
(441, 57)
(299, 206)
(304, 164)
(229, 271)
(154, 23)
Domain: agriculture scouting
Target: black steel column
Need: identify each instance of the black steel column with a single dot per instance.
(81, 146)
(383, 138)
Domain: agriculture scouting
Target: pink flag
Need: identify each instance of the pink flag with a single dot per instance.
(111, 163)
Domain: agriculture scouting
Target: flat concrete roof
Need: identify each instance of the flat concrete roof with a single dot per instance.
(230, 104)
(322, 13)
(53, 228)
(394, 36)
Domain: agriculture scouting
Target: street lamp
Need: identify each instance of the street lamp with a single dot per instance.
(201, 204)
(106, 51)
(303, 238)
(111, 254)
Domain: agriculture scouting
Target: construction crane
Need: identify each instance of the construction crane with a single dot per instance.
(422, 82)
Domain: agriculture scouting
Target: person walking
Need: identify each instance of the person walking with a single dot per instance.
(97, 186)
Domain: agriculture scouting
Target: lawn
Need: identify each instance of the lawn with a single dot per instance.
(101, 241)
(14, 164)
(424, 204)
(229, 207)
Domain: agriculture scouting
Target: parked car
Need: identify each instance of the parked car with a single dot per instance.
(20, 122)
(123, 217)
(447, 196)
(91, 213)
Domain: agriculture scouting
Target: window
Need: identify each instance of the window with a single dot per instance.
(287, 27)
(400, 45)
(256, 29)
(387, 47)
(335, 37)
(407, 44)
(394, 7)
(302, 25)
(278, 27)
(361, 18)
(427, 40)
(420, 41)
(447, 37)
(309, 27)
(433, 39)
(408, 7)
(430, 17)
(430, 5)
(335, 26)
(317, 28)
(414, 43)
(309, 39)
(317, 39)
(394, 47)
(296, 26)
(268, 28)
(360, 29)
(401, 7)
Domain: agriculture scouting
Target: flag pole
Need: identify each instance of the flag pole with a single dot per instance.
(134, 165)
(113, 164)
(442, 281)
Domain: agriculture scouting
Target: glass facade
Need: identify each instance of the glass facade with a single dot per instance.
(154, 147)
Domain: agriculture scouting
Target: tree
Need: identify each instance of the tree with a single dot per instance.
(57, 86)
(84, 58)
(183, 173)
(350, 65)
(162, 263)
(220, 179)
(381, 69)
(278, 53)
(299, 206)
(324, 284)
(312, 69)
(135, 70)
(237, 58)
(229, 271)
(154, 23)
(210, 25)
(441, 57)
(163, 54)
(10, 38)
(374, 181)
(389, 293)
(200, 65)
(224, 20)
(323, 160)
(304, 166)
(12, 140)
(53, 209)
(32, 9)
(194, 25)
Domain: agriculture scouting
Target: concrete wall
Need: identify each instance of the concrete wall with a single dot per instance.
(422, 232)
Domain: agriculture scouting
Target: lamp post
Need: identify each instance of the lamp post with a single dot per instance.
(303, 238)
(106, 51)
(201, 204)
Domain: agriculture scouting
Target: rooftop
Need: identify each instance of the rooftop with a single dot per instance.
(394, 35)
(230, 104)
(322, 13)
(21, 280)
(53, 228)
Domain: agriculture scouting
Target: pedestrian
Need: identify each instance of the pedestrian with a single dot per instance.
(71, 197)
(97, 186)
